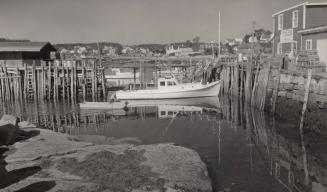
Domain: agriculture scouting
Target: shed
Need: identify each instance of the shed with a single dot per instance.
(15, 54)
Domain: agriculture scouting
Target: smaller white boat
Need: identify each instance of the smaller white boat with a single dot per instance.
(169, 88)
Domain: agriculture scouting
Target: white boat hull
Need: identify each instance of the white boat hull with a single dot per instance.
(180, 91)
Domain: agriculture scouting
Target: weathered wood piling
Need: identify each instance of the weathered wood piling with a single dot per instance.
(250, 81)
(53, 80)
(246, 80)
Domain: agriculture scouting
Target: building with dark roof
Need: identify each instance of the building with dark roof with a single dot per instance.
(15, 54)
(302, 27)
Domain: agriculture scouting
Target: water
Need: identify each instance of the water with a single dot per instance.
(244, 149)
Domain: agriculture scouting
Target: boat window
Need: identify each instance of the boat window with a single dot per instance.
(170, 83)
(163, 113)
(174, 83)
(170, 113)
(162, 83)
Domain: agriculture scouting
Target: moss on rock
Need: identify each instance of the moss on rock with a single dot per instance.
(116, 172)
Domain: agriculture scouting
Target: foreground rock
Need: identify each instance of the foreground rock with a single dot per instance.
(9, 130)
(70, 165)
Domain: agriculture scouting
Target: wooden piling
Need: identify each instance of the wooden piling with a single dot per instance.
(304, 108)
(55, 83)
(276, 89)
(76, 82)
(34, 76)
(84, 83)
(49, 80)
(25, 81)
(103, 83)
(93, 82)
(72, 81)
(63, 83)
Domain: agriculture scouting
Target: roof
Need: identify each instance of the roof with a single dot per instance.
(295, 6)
(314, 30)
(298, 5)
(24, 46)
(265, 36)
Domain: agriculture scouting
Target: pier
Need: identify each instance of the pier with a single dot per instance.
(53, 80)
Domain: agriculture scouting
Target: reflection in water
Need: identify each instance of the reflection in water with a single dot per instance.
(243, 148)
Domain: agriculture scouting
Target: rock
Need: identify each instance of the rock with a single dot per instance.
(9, 130)
(103, 140)
(122, 167)
(26, 124)
(10, 119)
(45, 143)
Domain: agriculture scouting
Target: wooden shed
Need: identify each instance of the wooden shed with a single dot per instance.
(15, 54)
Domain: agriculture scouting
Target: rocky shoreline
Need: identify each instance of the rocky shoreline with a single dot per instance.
(43, 160)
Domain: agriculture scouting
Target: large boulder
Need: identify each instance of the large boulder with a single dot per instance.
(79, 166)
(9, 130)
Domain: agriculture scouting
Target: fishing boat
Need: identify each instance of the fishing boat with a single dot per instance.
(169, 88)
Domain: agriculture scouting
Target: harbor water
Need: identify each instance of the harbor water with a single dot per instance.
(244, 149)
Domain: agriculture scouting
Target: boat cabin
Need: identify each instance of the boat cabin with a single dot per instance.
(167, 82)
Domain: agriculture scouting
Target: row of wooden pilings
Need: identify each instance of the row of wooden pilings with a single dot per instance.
(247, 81)
(53, 80)
(250, 82)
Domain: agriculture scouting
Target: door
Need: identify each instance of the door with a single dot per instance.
(322, 50)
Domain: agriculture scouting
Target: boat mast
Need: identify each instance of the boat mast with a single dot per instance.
(219, 48)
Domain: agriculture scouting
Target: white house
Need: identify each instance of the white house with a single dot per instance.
(179, 51)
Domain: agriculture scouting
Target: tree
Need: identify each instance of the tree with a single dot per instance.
(229, 48)
(188, 43)
(246, 38)
(119, 49)
(257, 33)
(196, 43)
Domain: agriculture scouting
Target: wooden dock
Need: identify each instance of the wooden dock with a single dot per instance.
(53, 80)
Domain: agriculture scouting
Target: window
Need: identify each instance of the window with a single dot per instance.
(293, 49)
(163, 113)
(170, 113)
(279, 49)
(295, 19)
(294, 46)
(280, 22)
(162, 83)
(170, 83)
(308, 44)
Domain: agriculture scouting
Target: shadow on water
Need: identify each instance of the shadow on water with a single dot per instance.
(244, 149)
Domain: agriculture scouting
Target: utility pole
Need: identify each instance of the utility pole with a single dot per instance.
(99, 54)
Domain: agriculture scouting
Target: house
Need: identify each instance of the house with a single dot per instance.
(302, 27)
(265, 38)
(245, 50)
(127, 50)
(110, 51)
(238, 40)
(253, 39)
(179, 51)
(15, 54)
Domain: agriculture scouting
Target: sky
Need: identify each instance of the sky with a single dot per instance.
(134, 21)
